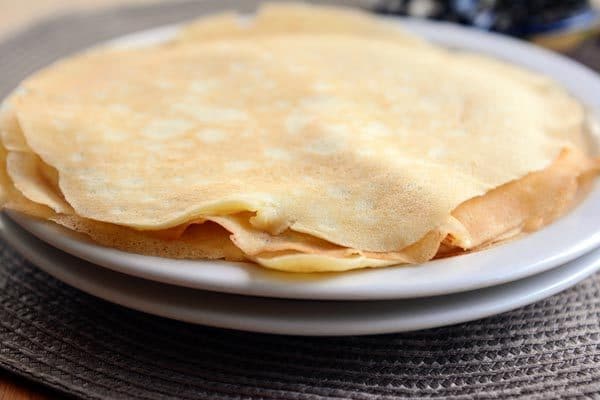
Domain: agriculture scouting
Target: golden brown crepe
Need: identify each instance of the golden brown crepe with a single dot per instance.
(327, 144)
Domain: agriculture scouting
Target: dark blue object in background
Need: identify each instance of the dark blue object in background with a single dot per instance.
(517, 18)
(569, 26)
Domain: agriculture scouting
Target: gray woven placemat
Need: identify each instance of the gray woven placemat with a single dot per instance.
(89, 348)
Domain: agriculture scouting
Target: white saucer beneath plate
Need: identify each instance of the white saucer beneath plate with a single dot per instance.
(293, 317)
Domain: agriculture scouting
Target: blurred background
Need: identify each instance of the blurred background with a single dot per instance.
(569, 26)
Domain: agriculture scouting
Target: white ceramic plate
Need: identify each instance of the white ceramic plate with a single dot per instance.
(563, 241)
(294, 317)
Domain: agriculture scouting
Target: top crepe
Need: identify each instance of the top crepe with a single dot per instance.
(364, 141)
(296, 18)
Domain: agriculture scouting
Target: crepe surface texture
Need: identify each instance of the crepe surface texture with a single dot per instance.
(305, 139)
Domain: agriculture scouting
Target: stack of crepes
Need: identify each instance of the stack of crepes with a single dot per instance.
(303, 138)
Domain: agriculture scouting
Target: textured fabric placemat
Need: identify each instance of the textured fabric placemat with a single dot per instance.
(89, 348)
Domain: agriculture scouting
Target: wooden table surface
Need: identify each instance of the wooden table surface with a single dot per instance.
(14, 388)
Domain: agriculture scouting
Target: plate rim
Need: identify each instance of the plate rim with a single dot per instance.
(256, 281)
(240, 312)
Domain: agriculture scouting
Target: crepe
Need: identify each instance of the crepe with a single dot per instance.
(295, 18)
(318, 147)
